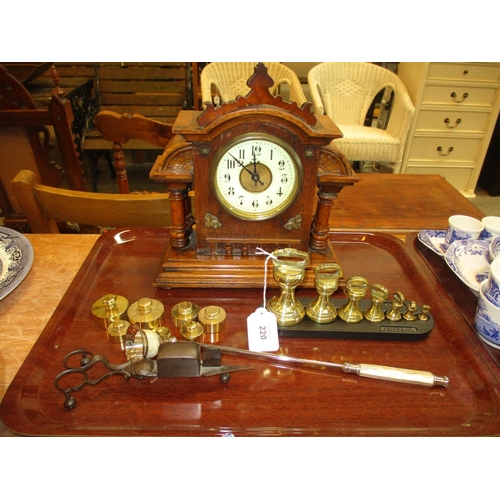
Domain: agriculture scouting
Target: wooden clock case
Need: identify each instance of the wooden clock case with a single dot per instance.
(210, 247)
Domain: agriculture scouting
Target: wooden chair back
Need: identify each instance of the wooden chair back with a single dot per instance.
(25, 132)
(119, 129)
(44, 205)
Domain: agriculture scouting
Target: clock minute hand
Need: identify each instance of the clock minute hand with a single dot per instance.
(254, 161)
(255, 177)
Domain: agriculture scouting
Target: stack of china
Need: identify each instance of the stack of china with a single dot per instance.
(487, 319)
(470, 245)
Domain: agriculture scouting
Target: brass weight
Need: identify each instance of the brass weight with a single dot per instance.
(146, 313)
(326, 281)
(109, 308)
(213, 319)
(289, 271)
(184, 312)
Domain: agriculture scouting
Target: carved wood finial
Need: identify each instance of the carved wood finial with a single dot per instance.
(260, 83)
(57, 90)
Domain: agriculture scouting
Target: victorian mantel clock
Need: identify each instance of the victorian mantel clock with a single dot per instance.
(256, 173)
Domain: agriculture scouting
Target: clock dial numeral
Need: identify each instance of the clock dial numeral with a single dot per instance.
(256, 178)
(256, 150)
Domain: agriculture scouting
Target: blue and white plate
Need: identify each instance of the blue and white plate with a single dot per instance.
(16, 259)
(433, 240)
(470, 261)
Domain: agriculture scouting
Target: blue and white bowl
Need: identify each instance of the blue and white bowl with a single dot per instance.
(487, 319)
(470, 261)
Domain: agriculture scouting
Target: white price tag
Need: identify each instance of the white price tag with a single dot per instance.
(262, 330)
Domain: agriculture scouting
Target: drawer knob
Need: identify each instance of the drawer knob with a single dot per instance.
(453, 95)
(466, 71)
(457, 122)
(440, 149)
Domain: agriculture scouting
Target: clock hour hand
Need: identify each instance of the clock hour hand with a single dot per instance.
(255, 176)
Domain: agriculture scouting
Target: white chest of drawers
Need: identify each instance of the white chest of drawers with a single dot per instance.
(456, 108)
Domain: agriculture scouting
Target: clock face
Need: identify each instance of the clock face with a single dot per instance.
(256, 176)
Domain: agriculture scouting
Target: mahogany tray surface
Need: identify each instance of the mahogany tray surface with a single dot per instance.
(269, 400)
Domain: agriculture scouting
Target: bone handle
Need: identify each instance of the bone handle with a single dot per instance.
(396, 374)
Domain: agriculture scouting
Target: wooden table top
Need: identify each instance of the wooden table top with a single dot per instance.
(26, 311)
(398, 204)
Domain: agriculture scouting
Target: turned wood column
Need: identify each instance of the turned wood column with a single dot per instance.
(121, 173)
(320, 226)
(179, 229)
(334, 173)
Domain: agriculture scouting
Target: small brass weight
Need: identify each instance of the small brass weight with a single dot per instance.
(326, 281)
(379, 295)
(356, 288)
(289, 271)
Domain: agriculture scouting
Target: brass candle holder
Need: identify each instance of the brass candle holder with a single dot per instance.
(289, 265)
(326, 281)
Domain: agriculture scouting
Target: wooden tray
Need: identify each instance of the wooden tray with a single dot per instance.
(268, 400)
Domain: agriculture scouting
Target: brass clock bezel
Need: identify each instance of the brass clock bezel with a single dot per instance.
(269, 214)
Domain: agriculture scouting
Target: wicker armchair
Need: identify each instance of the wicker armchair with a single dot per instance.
(345, 92)
(228, 80)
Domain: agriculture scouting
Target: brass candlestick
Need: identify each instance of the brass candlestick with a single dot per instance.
(289, 271)
(356, 287)
(326, 281)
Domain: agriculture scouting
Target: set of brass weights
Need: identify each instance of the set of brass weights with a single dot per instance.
(139, 328)
(289, 271)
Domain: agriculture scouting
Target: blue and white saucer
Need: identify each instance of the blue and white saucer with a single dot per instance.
(470, 261)
(433, 239)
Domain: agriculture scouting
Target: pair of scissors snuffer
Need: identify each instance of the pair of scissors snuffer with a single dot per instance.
(177, 359)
